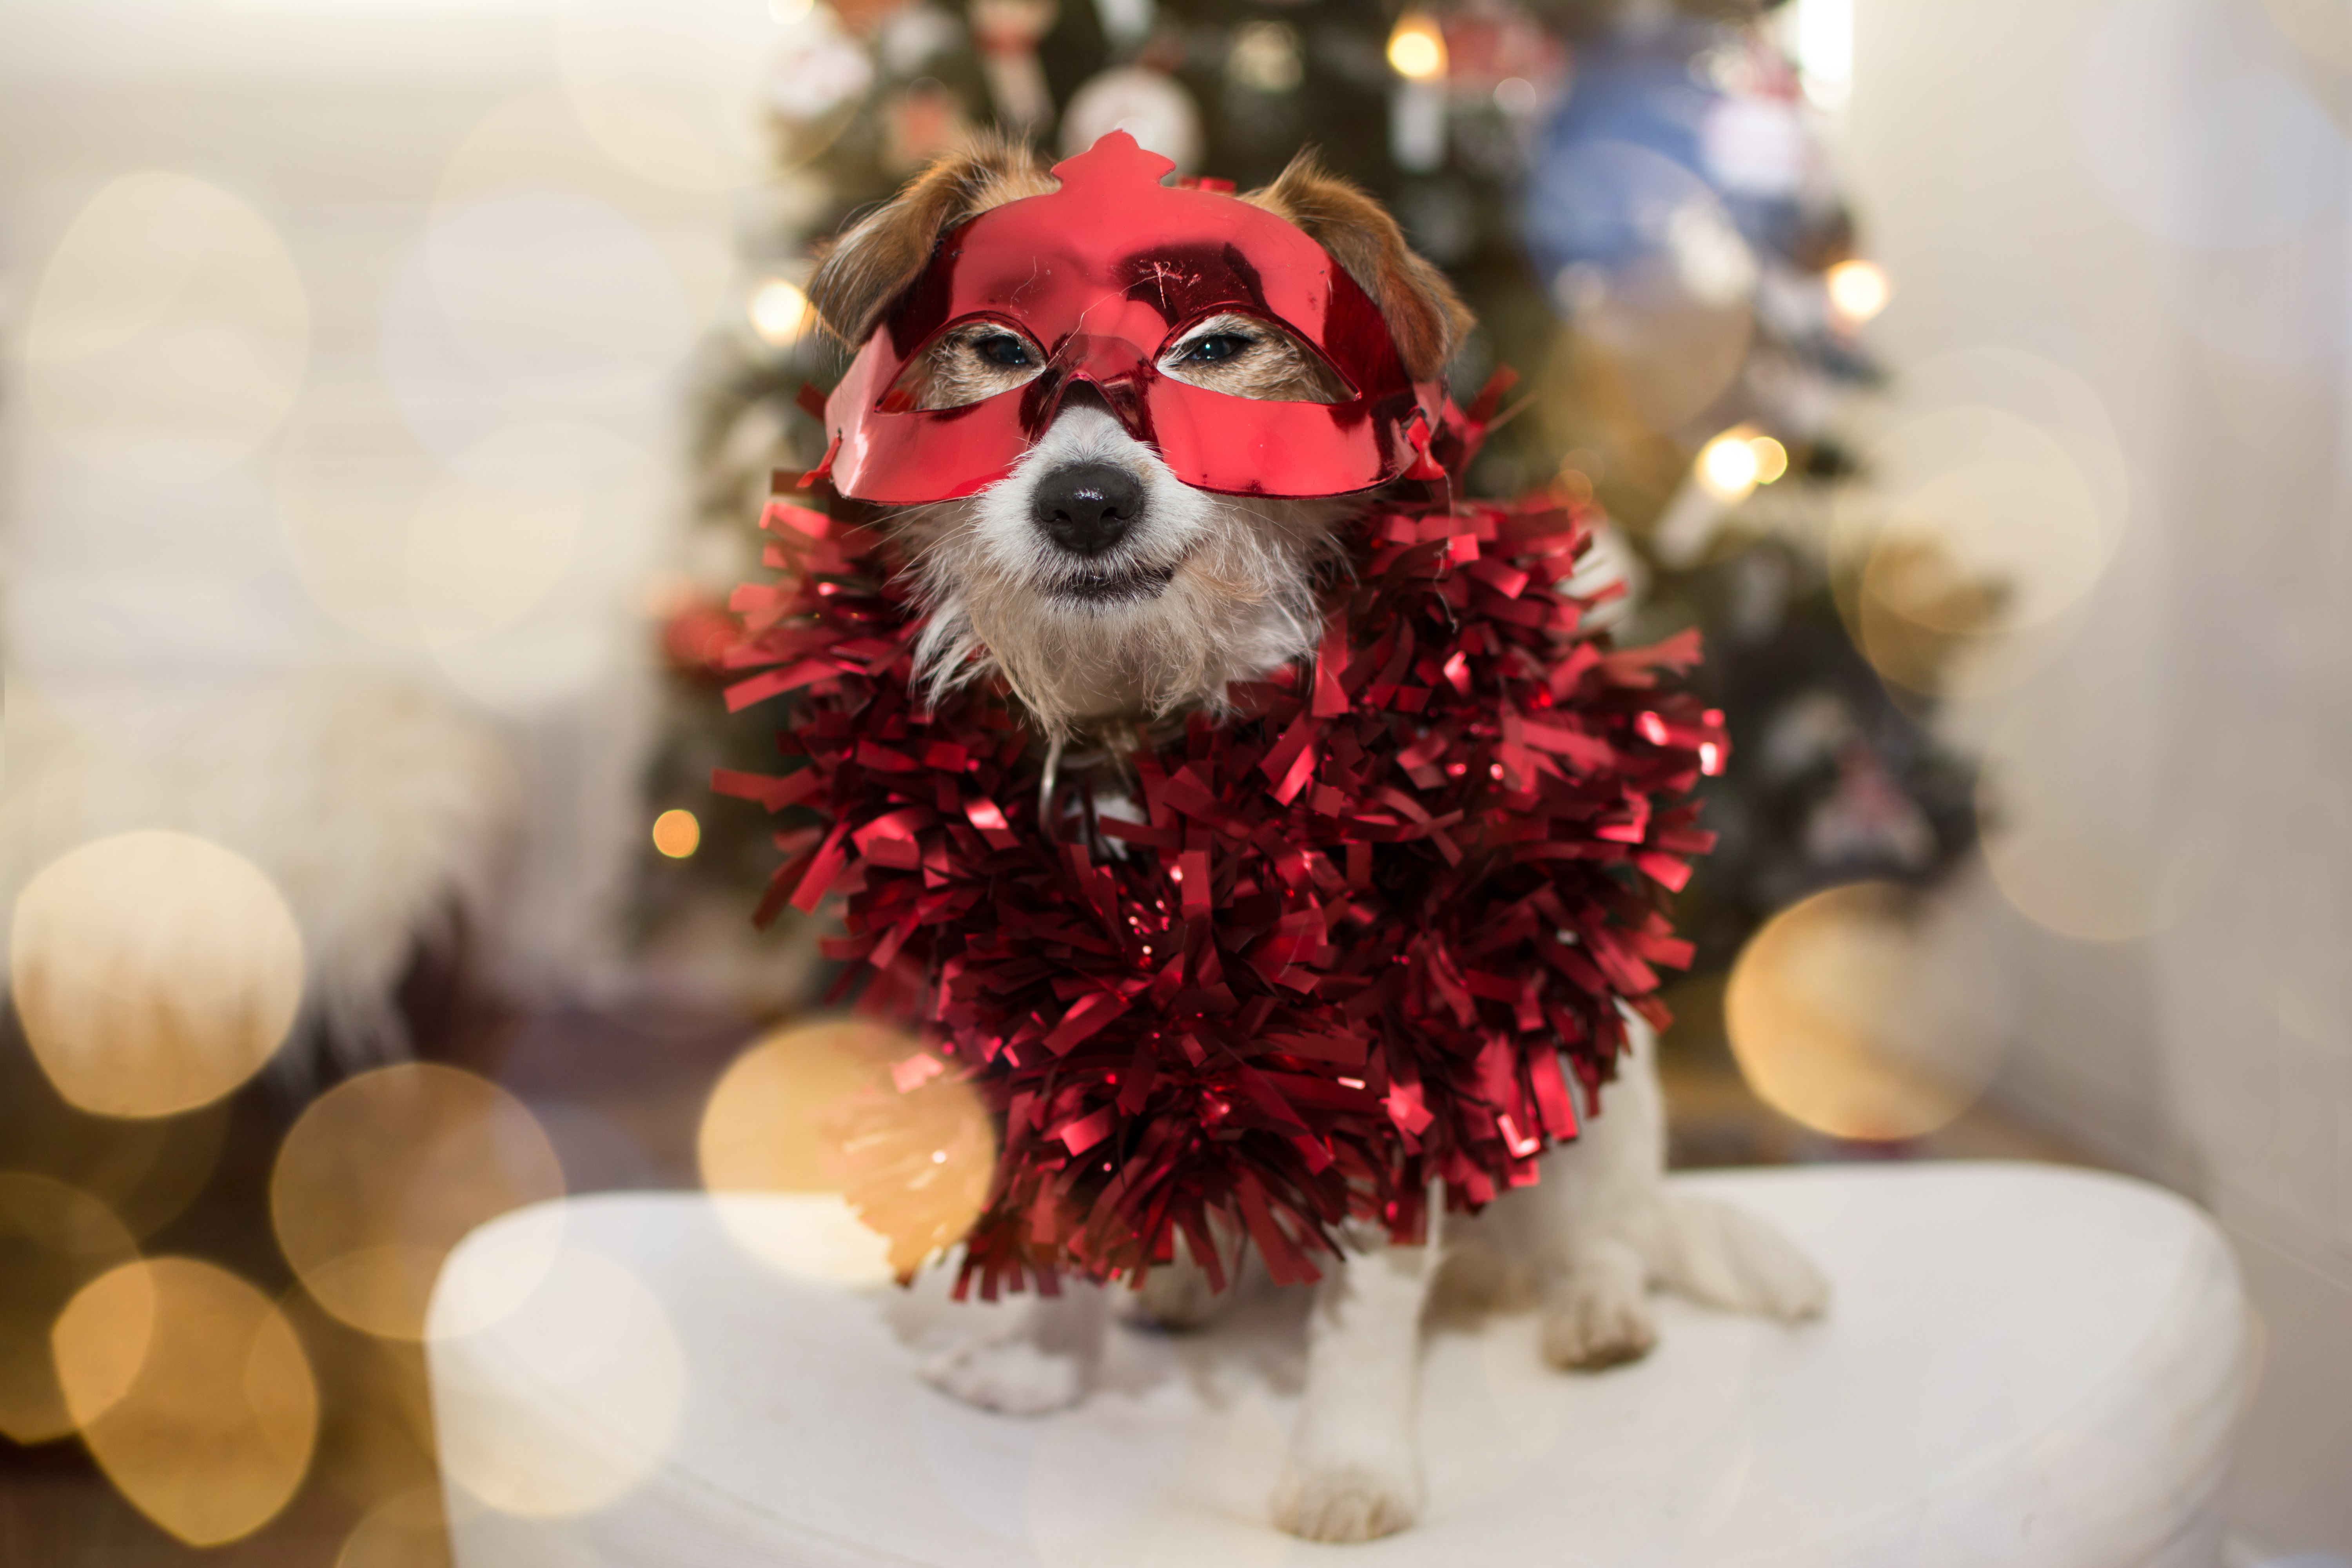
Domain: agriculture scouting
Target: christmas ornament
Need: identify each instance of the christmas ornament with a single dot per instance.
(1149, 105)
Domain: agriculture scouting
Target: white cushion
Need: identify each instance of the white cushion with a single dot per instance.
(2024, 1366)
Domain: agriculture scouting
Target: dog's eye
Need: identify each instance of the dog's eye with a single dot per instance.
(1216, 347)
(1242, 356)
(1003, 349)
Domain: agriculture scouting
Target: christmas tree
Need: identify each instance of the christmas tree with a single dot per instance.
(1635, 200)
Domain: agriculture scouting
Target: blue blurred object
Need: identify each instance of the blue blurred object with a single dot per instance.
(1681, 146)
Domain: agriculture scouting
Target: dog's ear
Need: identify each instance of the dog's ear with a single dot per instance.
(1426, 316)
(873, 262)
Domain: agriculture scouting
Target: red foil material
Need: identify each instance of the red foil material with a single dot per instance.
(1103, 275)
(1283, 970)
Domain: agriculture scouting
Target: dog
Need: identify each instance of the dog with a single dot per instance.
(1107, 592)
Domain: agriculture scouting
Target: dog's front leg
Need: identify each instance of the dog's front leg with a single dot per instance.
(1355, 1471)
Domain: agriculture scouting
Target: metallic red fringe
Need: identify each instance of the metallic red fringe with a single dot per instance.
(1357, 937)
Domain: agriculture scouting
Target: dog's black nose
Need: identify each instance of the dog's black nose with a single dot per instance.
(1086, 508)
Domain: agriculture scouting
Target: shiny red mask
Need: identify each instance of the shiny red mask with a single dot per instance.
(1104, 276)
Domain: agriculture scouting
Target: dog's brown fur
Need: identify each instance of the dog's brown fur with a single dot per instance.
(872, 263)
(1426, 316)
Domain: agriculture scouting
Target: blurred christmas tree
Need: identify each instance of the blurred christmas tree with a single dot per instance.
(1632, 195)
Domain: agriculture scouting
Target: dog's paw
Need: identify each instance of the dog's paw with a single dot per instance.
(1726, 1257)
(1014, 1375)
(1590, 1324)
(1356, 1498)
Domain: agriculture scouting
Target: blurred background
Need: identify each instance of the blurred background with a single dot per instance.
(387, 388)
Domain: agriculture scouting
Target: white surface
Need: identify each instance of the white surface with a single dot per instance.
(2022, 1367)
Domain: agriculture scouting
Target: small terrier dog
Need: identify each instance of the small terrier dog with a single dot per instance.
(1103, 590)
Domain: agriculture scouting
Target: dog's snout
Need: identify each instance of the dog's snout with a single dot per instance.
(1086, 508)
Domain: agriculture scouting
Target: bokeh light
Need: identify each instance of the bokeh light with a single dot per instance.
(407, 1530)
(1417, 47)
(483, 552)
(562, 1405)
(192, 1392)
(1986, 522)
(2174, 92)
(530, 305)
(170, 328)
(759, 1130)
(664, 91)
(1729, 466)
(1859, 289)
(2076, 845)
(1916, 609)
(763, 1133)
(384, 1174)
(779, 310)
(676, 833)
(884, 1156)
(154, 972)
(1835, 1021)
(524, 557)
(54, 1239)
(1771, 460)
(146, 1172)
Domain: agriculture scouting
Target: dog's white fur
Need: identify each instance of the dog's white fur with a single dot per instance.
(1590, 1240)
(1239, 598)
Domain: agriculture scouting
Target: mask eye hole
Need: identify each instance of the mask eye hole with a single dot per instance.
(1245, 356)
(966, 363)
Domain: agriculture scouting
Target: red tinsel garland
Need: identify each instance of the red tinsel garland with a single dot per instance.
(1347, 950)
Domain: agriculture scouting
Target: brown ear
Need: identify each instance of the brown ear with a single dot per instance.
(1426, 316)
(872, 261)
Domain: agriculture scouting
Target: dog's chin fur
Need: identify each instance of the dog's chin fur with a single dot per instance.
(1204, 589)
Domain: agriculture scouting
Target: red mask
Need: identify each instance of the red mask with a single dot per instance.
(1105, 275)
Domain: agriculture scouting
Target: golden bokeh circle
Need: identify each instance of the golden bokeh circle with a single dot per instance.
(193, 1393)
(566, 1404)
(54, 1239)
(761, 1127)
(154, 972)
(676, 833)
(878, 1155)
(1417, 47)
(2078, 839)
(386, 1172)
(1859, 289)
(408, 1530)
(1729, 468)
(1830, 1024)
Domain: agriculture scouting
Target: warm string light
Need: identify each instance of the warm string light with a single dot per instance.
(1858, 290)
(779, 310)
(1417, 48)
(1734, 464)
(676, 833)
